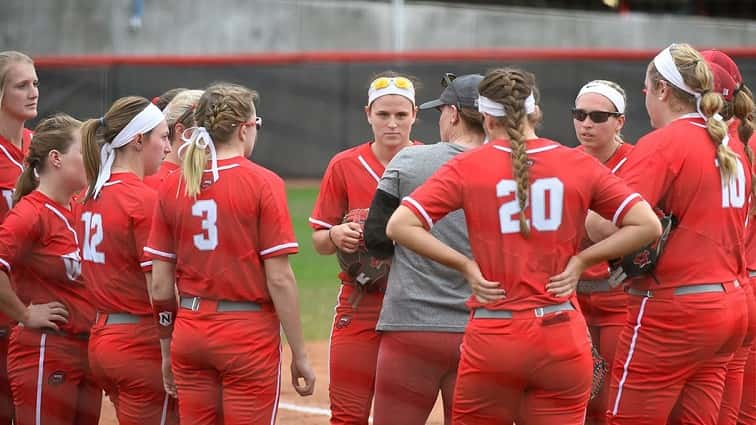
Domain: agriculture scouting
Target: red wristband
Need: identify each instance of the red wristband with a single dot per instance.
(165, 313)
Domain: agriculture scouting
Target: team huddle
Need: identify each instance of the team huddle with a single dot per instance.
(145, 256)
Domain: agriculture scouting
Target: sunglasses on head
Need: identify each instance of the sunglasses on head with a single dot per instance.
(398, 82)
(446, 81)
(596, 116)
(257, 123)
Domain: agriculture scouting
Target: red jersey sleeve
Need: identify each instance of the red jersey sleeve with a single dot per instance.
(438, 196)
(142, 223)
(274, 222)
(332, 201)
(611, 197)
(649, 169)
(17, 233)
(160, 243)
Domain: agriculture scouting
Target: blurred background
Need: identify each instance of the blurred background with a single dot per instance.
(312, 60)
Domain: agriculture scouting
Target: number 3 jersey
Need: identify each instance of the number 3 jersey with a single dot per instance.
(675, 168)
(40, 250)
(564, 184)
(220, 239)
(113, 231)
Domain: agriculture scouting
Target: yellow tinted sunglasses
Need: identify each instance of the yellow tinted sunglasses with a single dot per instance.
(398, 82)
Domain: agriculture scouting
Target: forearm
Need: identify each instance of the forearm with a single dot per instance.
(10, 304)
(163, 277)
(625, 240)
(322, 242)
(283, 291)
(407, 231)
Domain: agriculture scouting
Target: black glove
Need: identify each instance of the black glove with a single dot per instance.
(643, 261)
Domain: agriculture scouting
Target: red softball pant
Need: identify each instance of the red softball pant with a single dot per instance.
(353, 355)
(606, 313)
(227, 367)
(6, 399)
(126, 362)
(535, 371)
(51, 380)
(412, 368)
(672, 357)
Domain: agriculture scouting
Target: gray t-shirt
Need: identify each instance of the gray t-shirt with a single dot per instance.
(423, 295)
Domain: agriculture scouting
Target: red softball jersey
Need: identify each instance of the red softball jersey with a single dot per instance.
(166, 169)
(349, 183)
(220, 239)
(564, 184)
(614, 163)
(675, 168)
(40, 250)
(11, 167)
(113, 230)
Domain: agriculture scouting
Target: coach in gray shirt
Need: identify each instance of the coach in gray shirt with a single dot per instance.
(424, 313)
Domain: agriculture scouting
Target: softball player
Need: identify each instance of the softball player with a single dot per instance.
(349, 183)
(685, 321)
(179, 114)
(424, 313)
(740, 388)
(526, 356)
(47, 355)
(113, 225)
(222, 229)
(599, 116)
(19, 94)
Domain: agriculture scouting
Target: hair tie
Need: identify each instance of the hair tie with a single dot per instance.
(36, 174)
(102, 121)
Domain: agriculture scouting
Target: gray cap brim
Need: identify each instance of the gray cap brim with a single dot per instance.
(432, 104)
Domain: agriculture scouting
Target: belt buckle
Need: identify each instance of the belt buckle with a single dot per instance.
(195, 303)
(539, 312)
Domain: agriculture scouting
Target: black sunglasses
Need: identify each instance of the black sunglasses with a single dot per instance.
(446, 81)
(596, 116)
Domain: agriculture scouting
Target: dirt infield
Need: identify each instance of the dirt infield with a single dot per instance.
(295, 410)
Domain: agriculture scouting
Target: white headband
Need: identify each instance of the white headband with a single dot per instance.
(607, 91)
(496, 109)
(391, 88)
(143, 122)
(665, 64)
(201, 139)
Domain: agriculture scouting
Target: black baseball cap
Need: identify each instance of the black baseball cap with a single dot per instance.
(461, 91)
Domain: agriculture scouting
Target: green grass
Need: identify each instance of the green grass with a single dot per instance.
(316, 274)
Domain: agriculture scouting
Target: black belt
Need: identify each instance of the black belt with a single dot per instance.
(593, 286)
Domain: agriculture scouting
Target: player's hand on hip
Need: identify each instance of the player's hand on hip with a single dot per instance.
(169, 382)
(301, 370)
(484, 290)
(346, 236)
(48, 315)
(564, 283)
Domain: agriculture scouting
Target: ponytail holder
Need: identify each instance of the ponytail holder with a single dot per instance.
(200, 138)
(36, 174)
(102, 121)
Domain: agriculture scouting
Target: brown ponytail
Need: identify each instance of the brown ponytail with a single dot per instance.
(511, 87)
(53, 133)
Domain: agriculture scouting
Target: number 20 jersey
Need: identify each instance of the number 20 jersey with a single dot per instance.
(564, 184)
(220, 239)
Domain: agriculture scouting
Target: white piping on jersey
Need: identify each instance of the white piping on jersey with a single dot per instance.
(622, 207)
(367, 167)
(617, 167)
(278, 387)
(145, 263)
(319, 223)
(421, 210)
(111, 183)
(40, 379)
(631, 350)
(5, 263)
(10, 158)
(225, 167)
(697, 124)
(529, 151)
(160, 253)
(279, 247)
(333, 326)
(62, 217)
(164, 414)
